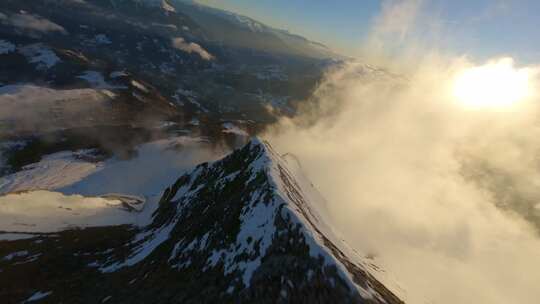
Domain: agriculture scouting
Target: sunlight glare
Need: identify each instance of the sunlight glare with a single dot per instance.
(497, 84)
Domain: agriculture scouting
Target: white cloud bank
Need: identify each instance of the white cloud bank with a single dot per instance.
(395, 164)
(435, 189)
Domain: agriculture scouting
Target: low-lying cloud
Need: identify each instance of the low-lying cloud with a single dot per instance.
(191, 47)
(443, 194)
(398, 162)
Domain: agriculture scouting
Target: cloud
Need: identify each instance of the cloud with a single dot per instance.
(444, 195)
(32, 23)
(29, 108)
(191, 47)
(394, 25)
(397, 18)
(398, 161)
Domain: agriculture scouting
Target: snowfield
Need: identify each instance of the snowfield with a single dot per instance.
(155, 167)
(46, 211)
(64, 190)
(52, 172)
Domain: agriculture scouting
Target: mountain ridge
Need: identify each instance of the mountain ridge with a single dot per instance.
(283, 40)
(240, 229)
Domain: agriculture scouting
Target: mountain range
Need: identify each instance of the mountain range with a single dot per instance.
(128, 168)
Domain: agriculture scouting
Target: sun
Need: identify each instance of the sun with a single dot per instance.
(496, 84)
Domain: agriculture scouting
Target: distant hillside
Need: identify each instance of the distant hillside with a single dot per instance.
(241, 31)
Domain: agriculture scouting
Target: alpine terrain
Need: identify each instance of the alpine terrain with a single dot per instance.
(128, 172)
(248, 228)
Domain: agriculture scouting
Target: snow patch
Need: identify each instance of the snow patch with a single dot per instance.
(234, 129)
(38, 295)
(102, 39)
(257, 220)
(191, 47)
(108, 93)
(167, 7)
(146, 243)
(163, 4)
(117, 74)
(15, 236)
(41, 55)
(139, 86)
(54, 171)
(17, 254)
(96, 80)
(45, 211)
(194, 122)
(6, 47)
(201, 107)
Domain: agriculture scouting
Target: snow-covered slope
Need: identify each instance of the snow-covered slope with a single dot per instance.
(74, 189)
(247, 228)
(46, 211)
(153, 167)
(52, 172)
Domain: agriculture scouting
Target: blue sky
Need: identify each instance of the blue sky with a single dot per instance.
(479, 28)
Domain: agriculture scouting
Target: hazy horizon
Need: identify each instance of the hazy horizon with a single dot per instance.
(480, 29)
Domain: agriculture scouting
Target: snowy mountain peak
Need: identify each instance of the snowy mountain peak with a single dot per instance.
(260, 212)
(246, 228)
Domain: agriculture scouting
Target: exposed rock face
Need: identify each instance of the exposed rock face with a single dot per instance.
(245, 229)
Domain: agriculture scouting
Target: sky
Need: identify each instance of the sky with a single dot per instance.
(478, 28)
